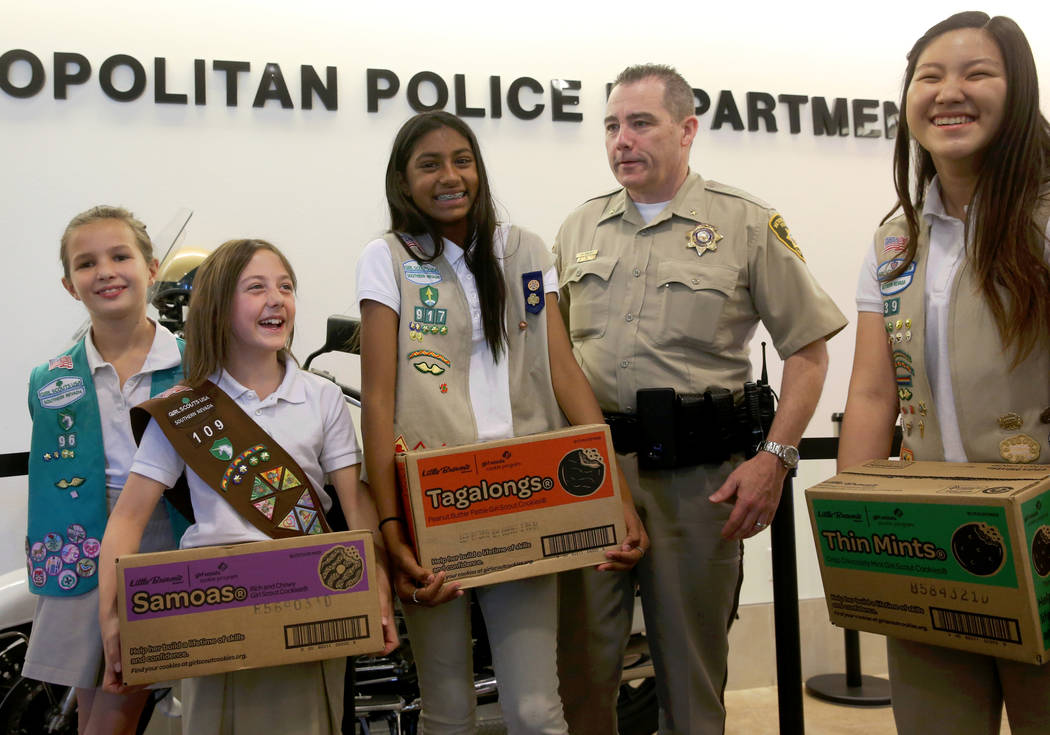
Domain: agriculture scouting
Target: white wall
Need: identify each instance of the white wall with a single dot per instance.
(311, 181)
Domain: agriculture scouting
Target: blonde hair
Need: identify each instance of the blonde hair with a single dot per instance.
(98, 214)
(209, 327)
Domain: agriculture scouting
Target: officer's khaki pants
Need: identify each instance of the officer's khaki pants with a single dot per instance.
(689, 583)
(961, 693)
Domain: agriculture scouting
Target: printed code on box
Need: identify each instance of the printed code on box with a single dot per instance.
(983, 626)
(326, 631)
(582, 540)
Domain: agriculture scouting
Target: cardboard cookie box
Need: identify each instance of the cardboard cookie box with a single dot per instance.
(953, 554)
(244, 606)
(513, 508)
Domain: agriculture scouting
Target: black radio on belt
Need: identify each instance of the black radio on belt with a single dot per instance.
(680, 430)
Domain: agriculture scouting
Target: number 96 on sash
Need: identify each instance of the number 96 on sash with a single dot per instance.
(207, 431)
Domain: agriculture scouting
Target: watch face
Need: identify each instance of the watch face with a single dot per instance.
(790, 456)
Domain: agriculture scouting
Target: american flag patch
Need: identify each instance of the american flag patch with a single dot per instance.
(895, 244)
(61, 362)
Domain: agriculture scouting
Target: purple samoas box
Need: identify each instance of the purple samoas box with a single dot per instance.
(202, 611)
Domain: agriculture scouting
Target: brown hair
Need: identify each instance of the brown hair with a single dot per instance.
(98, 214)
(209, 327)
(1012, 184)
(678, 95)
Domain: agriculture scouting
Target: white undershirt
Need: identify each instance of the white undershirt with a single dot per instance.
(649, 211)
(489, 379)
(946, 253)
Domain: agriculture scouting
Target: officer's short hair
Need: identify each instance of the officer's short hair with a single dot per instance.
(678, 95)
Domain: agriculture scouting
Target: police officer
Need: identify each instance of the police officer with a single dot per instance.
(663, 283)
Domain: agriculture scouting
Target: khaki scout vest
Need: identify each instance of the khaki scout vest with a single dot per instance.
(999, 410)
(432, 405)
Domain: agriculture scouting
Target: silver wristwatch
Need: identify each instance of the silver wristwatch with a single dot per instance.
(787, 454)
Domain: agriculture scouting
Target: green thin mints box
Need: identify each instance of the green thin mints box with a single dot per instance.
(952, 554)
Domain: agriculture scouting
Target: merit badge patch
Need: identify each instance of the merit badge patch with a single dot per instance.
(432, 364)
(429, 296)
(65, 362)
(423, 274)
(222, 449)
(1019, 449)
(238, 469)
(61, 392)
(899, 282)
(704, 237)
(532, 284)
(780, 229)
(66, 419)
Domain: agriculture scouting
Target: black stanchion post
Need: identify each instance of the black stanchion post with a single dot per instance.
(785, 614)
(853, 687)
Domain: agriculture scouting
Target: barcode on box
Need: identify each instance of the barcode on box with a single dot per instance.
(587, 538)
(326, 631)
(991, 627)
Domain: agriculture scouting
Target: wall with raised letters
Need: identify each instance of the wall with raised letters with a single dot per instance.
(274, 119)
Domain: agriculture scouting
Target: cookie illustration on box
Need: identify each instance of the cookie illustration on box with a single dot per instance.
(340, 568)
(1041, 551)
(581, 471)
(978, 548)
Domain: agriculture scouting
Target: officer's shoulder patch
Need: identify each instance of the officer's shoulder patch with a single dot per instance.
(720, 188)
(779, 227)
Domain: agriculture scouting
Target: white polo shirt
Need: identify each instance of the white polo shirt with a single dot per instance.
(115, 401)
(306, 415)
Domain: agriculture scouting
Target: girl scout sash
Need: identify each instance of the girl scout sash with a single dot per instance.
(236, 458)
(67, 475)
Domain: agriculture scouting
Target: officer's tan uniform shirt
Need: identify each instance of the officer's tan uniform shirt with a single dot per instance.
(647, 310)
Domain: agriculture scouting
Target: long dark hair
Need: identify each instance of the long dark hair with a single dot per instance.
(1012, 180)
(406, 217)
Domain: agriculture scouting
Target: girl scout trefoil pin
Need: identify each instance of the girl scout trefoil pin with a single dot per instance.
(532, 285)
(704, 237)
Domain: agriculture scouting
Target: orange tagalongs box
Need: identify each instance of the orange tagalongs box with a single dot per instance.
(514, 508)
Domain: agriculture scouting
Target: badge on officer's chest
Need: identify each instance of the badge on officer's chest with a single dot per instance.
(704, 237)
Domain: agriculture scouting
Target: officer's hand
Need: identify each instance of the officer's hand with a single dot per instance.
(634, 545)
(754, 489)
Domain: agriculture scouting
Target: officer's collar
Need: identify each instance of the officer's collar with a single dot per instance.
(688, 203)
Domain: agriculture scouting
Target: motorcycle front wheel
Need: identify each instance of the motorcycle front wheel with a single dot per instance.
(31, 707)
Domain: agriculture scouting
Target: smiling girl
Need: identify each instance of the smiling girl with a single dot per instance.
(82, 447)
(238, 331)
(953, 332)
(461, 341)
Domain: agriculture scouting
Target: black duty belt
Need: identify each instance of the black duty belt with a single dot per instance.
(681, 430)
